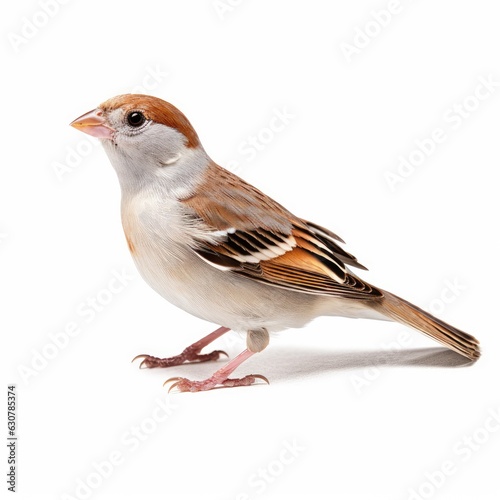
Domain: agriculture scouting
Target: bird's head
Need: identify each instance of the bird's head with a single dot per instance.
(145, 138)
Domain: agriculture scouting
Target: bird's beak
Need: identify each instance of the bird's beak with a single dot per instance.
(93, 123)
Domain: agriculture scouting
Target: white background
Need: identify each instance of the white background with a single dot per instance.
(370, 409)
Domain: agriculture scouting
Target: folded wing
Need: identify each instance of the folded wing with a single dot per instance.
(250, 234)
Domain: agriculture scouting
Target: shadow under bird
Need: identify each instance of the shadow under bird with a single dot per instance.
(217, 247)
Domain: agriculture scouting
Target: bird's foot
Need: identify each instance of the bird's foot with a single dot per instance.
(190, 355)
(186, 385)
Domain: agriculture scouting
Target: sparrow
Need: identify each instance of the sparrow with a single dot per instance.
(220, 249)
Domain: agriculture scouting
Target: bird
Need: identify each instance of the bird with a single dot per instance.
(217, 247)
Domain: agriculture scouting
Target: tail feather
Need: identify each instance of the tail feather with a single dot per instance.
(404, 312)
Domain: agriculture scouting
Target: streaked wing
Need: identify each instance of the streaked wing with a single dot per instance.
(272, 246)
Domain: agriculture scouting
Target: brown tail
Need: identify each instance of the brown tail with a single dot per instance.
(404, 312)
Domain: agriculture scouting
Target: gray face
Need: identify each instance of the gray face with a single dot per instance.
(143, 140)
(144, 152)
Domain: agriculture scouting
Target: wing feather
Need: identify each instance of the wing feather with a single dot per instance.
(249, 234)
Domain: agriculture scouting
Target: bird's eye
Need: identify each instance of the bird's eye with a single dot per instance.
(135, 119)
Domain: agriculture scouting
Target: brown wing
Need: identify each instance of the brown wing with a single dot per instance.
(250, 234)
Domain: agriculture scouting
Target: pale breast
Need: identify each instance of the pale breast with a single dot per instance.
(160, 246)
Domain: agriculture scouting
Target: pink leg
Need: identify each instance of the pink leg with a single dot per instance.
(190, 354)
(220, 377)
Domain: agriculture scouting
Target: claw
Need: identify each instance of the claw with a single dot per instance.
(172, 379)
(173, 386)
(144, 356)
(140, 356)
(261, 377)
(223, 352)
